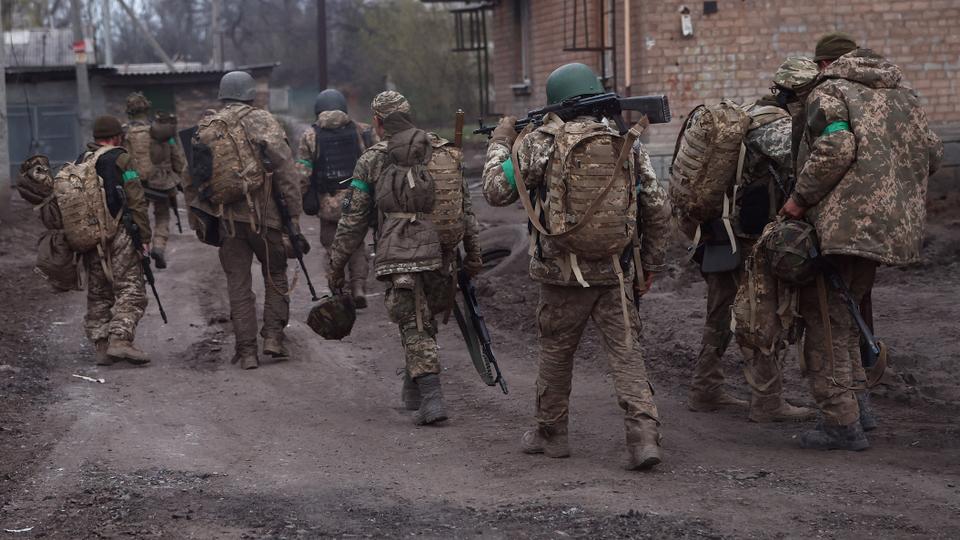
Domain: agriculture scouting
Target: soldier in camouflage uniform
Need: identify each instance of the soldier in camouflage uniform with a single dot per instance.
(331, 111)
(767, 177)
(116, 296)
(243, 239)
(866, 154)
(565, 306)
(416, 270)
(169, 168)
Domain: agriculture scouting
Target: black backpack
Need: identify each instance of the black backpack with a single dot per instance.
(335, 156)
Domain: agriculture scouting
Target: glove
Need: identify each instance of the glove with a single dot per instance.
(302, 243)
(473, 264)
(505, 133)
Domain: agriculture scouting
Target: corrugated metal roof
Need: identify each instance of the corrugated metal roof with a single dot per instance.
(159, 68)
(42, 47)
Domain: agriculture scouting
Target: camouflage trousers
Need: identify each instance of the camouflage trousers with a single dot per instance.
(420, 344)
(236, 258)
(838, 404)
(358, 265)
(161, 223)
(114, 307)
(562, 316)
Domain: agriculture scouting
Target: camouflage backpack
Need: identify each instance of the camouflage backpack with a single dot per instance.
(237, 172)
(447, 171)
(333, 316)
(706, 158)
(87, 223)
(138, 141)
(755, 203)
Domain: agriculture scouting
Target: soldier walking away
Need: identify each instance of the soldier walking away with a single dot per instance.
(411, 186)
(566, 164)
(326, 157)
(758, 193)
(241, 163)
(94, 226)
(865, 139)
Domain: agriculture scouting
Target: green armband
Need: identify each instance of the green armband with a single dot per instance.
(509, 173)
(172, 141)
(306, 163)
(836, 126)
(360, 184)
(130, 175)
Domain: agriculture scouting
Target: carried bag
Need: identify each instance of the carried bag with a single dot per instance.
(56, 261)
(79, 191)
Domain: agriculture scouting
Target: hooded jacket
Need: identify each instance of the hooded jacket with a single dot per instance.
(870, 153)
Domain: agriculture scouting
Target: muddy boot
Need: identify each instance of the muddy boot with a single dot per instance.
(102, 358)
(358, 290)
(159, 260)
(775, 409)
(275, 346)
(550, 441)
(700, 402)
(835, 438)
(410, 393)
(248, 360)
(432, 408)
(868, 420)
(124, 350)
(643, 445)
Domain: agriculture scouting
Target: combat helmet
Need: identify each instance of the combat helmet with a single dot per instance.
(330, 100)
(237, 86)
(795, 73)
(333, 316)
(570, 81)
(791, 246)
(137, 103)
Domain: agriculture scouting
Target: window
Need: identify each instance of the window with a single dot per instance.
(522, 36)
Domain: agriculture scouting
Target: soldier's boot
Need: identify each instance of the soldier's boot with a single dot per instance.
(775, 409)
(835, 438)
(643, 445)
(706, 402)
(159, 259)
(102, 358)
(550, 441)
(247, 359)
(275, 346)
(358, 289)
(124, 350)
(410, 393)
(432, 408)
(868, 420)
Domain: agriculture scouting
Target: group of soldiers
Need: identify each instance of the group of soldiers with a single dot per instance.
(841, 124)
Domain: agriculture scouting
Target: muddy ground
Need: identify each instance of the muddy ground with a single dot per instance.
(193, 447)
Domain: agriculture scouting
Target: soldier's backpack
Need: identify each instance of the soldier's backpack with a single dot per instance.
(87, 222)
(335, 155)
(445, 167)
(138, 141)
(754, 202)
(706, 158)
(235, 169)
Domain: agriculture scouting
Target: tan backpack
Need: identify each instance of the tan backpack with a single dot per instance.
(446, 169)
(708, 153)
(237, 170)
(83, 203)
(138, 146)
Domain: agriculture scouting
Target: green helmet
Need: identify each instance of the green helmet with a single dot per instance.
(333, 316)
(790, 248)
(570, 81)
(237, 86)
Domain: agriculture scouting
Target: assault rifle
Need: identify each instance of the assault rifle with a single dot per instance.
(134, 231)
(281, 200)
(158, 195)
(475, 331)
(656, 108)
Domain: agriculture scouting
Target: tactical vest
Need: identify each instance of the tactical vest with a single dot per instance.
(335, 155)
(446, 169)
(79, 190)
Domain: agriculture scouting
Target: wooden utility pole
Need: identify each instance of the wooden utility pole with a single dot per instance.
(217, 34)
(322, 44)
(107, 33)
(84, 112)
(5, 183)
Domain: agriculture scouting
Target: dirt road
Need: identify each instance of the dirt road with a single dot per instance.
(193, 447)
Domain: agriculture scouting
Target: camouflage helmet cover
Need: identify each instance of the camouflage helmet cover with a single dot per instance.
(389, 102)
(330, 99)
(137, 103)
(789, 246)
(237, 86)
(570, 81)
(333, 316)
(795, 72)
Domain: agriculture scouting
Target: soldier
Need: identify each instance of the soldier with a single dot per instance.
(598, 292)
(250, 222)
(116, 295)
(760, 191)
(326, 170)
(865, 139)
(416, 239)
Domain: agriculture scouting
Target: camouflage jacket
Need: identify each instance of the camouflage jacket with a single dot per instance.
(134, 198)
(263, 129)
(169, 164)
(868, 154)
(767, 148)
(534, 154)
(360, 213)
